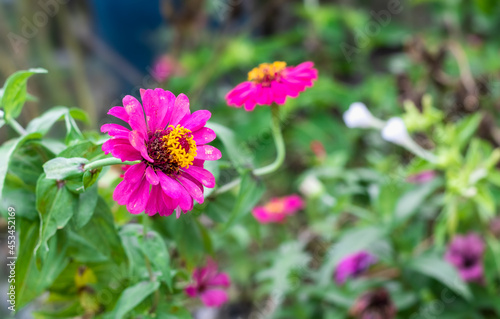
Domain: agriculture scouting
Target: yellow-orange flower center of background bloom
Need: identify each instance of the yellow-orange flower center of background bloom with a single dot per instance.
(275, 207)
(180, 146)
(266, 72)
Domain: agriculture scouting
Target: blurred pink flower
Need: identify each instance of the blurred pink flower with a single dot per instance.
(421, 177)
(208, 285)
(272, 83)
(276, 210)
(353, 266)
(375, 304)
(165, 67)
(466, 254)
(170, 146)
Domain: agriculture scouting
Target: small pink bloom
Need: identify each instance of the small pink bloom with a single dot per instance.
(353, 266)
(421, 177)
(170, 143)
(466, 252)
(272, 83)
(209, 285)
(276, 210)
(165, 67)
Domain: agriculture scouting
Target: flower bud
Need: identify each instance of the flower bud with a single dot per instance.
(358, 115)
(395, 132)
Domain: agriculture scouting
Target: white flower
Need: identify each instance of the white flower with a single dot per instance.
(395, 132)
(358, 115)
(1, 114)
(311, 186)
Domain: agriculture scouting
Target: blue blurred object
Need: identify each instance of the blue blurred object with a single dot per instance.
(127, 26)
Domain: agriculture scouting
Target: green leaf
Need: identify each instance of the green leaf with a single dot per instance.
(55, 204)
(15, 92)
(43, 123)
(250, 193)
(133, 296)
(32, 280)
(288, 265)
(410, 202)
(87, 203)
(466, 128)
(129, 235)
(237, 151)
(61, 167)
(190, 236)
(433, 265)
(73, 134)
(7, 149)
(155, 249)
(100, 233)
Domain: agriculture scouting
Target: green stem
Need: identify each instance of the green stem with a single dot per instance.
(280, 156)
(106, 162)
(17, 127)
(278, 141)
(227, 187)
(156, 298)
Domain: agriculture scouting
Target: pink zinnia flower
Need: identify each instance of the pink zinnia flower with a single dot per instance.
(208, 285)
(272, 83)
(170, 143)
(466, 254)
(353, 266)
(276, 210)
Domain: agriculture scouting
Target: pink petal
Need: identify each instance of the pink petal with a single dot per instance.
(136, 114)
(185, 201)
(155, 202)
(121, 148)
(202, 175)
(167, 101)
(119, 112)
(214, 297)
(170, 187)
(203, 136)
(192, 188)
(115, 130)
(123, 191)
(135, 173)
(138, 199)
(197, 120)
(221, 279)
(208, 152)
(152, 108)
(151, 176)
(181, 108)
(191, 291)
(137, 140)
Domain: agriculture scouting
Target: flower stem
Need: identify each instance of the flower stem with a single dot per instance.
(280, 156)
(106, 162)
(278, 141)
(156, 297)
(413, 147)
(17, 127)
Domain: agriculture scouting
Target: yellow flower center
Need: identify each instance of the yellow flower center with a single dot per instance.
(180, 146)
(275, 207)
(266, 72)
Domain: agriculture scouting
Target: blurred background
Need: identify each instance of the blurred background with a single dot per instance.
(99, 51)
(378, 52)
